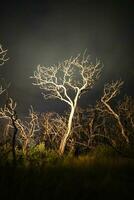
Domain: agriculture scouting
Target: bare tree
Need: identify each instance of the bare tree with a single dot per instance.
(53, 127)
(110, 91)
(27, 129)
(92, 129)
(9, 112)
(67, 81)
(3, 59)
(125, 109)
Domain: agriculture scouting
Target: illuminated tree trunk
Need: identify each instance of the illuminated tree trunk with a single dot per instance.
(69, 127)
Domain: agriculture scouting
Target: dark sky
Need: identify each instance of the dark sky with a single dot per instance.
(45, 32)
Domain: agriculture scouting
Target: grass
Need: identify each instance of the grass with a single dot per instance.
(101, 174)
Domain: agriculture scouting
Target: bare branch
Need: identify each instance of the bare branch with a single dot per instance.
(126, 109)
(28, 129)
(2, 90)
(3, 54)
(110, 91)
(3, 59)
(9, 112)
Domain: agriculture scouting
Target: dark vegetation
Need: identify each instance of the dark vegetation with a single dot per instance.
(101, 174)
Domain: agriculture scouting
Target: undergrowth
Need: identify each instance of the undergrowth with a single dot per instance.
(100, 174)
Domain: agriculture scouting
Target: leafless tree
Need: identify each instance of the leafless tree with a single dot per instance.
(9, 112)
(28, 129)
(77, 74)
(125, 109)
(53, 127)
(110, 91)
(3, 59)
(90, 127)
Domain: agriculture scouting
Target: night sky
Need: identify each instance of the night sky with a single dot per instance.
(45, 32)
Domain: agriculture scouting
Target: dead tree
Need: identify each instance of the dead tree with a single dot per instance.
(53, 127)
(110, 91)
(9, 112)
(126, 109)
(76, 75)
(28, 129)
(3, 59)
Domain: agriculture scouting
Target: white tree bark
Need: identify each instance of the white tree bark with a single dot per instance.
(3, 59)
(70, 120)
(110, 91)
(76, 74)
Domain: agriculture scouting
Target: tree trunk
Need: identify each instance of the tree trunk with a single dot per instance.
(14, 142)
(67, 134)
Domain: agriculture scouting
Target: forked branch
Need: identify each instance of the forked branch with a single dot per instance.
(110, 91)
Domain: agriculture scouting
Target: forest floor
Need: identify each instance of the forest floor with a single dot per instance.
(91, 176)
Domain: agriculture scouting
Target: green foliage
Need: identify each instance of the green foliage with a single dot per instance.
(38, 156)
(37, 150)
(41, 147)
